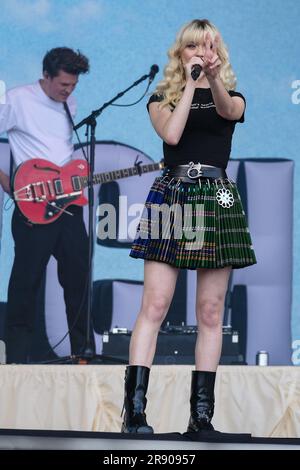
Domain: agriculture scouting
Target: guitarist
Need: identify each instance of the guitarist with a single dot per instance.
(37, 125)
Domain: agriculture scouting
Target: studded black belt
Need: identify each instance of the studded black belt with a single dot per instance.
(193, 171)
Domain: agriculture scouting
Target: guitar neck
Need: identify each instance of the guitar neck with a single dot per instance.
(124, 173)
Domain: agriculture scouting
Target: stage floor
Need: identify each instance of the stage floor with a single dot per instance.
(260, 401)
(54, 440)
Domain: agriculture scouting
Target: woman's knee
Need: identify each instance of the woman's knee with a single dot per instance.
(209, 312)
(155, 308)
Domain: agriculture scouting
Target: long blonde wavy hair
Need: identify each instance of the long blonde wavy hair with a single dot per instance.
(173, 83)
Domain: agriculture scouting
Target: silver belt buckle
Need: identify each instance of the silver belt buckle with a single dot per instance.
(194, 171)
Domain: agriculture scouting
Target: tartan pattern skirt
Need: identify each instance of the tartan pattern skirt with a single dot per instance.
(194, 225)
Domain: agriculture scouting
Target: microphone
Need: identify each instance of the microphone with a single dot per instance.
(195, 72)
(153, 71)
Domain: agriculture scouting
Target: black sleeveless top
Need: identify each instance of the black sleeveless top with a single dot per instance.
(207, 136)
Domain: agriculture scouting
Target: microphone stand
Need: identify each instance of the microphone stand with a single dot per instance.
(91, 123)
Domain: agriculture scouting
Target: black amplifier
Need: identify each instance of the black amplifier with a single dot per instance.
(175, 345)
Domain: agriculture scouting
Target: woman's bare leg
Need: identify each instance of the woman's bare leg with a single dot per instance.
(211, 290)
(159, 285)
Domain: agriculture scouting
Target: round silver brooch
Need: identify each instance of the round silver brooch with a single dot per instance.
(225, 198)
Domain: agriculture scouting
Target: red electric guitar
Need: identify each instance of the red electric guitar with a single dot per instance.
(43, 190)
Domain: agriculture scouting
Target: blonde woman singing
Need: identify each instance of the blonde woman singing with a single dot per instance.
(193, 217)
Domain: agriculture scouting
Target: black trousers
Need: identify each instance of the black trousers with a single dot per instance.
(66, 239)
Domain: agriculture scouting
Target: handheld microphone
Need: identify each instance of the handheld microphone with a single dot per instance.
(153, 71)
(195, 72)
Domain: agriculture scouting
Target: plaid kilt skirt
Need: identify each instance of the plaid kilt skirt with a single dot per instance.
(193, 225)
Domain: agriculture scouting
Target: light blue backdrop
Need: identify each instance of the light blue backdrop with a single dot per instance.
(123, 38)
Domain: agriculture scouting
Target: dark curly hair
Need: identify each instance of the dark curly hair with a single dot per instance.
(65, 59)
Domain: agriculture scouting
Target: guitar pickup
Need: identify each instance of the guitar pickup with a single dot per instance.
(76, 182)
(58, 187)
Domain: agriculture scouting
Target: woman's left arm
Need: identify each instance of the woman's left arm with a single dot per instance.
(229, 107)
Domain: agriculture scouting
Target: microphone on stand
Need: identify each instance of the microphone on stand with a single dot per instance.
(195, 72)
(153, 71)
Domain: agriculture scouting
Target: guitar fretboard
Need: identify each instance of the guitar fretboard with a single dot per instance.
(124, 173)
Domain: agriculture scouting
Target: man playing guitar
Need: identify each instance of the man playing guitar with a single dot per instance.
(37, 125)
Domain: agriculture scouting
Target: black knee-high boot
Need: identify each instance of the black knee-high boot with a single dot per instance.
(136, 384)
(202, 401)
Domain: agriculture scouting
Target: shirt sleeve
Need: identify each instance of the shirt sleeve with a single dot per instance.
(7, 115)
(154, 98)
(236, 93)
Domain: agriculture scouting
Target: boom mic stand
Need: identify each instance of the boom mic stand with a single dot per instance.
(91, 123)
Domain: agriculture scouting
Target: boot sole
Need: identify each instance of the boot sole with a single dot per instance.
(139, 430)
(190, 429)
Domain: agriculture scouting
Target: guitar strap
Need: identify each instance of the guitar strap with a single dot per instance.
(67, 109)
